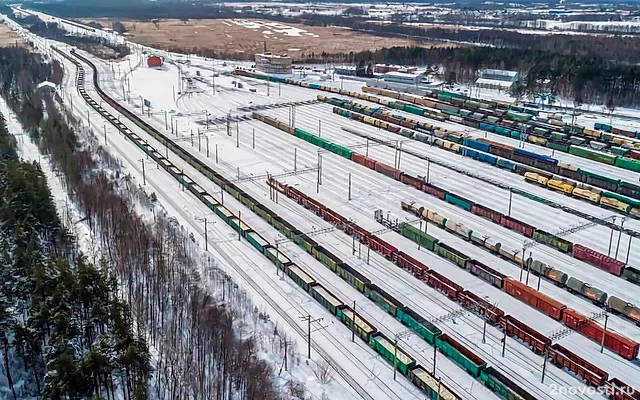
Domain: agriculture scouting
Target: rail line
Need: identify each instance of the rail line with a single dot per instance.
(114, 121)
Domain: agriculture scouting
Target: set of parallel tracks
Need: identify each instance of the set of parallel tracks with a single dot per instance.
(355, 385)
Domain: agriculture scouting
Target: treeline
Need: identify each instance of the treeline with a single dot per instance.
(575, 77)
(64, 333)
(200, 352)
(98, 46)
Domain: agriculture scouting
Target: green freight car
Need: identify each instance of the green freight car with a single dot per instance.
(418, 324)
(324, 297)
(415, 234)
(382, 298)
(552, 240)
(592, 155)
(460, 355)
(257, 241)
(391, 352)
(300, 277)
(458, 201)
(451, 254)
(434, 388)
(627, 163)
(358, 324)
(277, 257)
(352, 276)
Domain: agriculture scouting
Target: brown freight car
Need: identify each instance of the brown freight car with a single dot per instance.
(534, 298)
(564, 358)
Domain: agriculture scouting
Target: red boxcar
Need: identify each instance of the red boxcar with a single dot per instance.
(410, 264)
(388, 171)
(618, 390)
(480, 305)
(357, 231)
(408, 124)
(600, 260)
(516, 225)
(524, 332)
(434, 190)
(362, 160)
(333, 217)
(412, 181)
(394, 129)
(445, 285)
(574, 319)
(574, 363)
(633, 154)
(486, 212)
(613, 341)
(534, 298)
(383, 247)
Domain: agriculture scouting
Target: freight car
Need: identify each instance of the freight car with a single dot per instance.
(443, 249)
(513, 327)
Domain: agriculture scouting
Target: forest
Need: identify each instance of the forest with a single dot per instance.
(579, 67)
(65, 334)
(97, 46)
(69, 320)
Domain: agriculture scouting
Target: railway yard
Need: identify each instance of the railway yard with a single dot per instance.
(485, 250)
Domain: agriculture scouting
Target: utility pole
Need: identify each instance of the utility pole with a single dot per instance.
(484, 326)
(319, 127)
(504, 338)
(206, 241)
(309, 321)
(619, 236)
(367, 150)
(399, 155)
(353, 330)
(166, 125)
(144, 178)
(528, 269)
(395, 357)
(428, 170)
(253, 139)
(206, 139)
(349, 185)
(521, 264)
(628, 250)
(295, 159)
(105, 134)
(611, 238)
(435, 357)
(510, 198)
(419, 241)
(239, 224)
(544, 363)
(604, 332)
(216, 153)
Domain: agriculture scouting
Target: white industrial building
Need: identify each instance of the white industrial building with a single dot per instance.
(402, 77)
(498, 79)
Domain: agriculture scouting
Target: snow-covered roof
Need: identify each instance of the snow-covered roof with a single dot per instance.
(47, 84)
(402, 74)
(493, 82)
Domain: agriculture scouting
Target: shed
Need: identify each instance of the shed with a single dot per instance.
(154, 61)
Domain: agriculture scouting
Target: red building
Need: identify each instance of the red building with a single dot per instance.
(154, 61)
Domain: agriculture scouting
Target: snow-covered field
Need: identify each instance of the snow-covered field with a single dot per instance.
(253, 149)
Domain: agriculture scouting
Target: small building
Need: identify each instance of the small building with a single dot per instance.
(345, 70)
(154, 61)
(403, 77)
(273, 63)
(384, 68)
(498, 79)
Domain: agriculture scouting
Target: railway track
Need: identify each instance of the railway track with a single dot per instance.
(397, 275)
(352, 382)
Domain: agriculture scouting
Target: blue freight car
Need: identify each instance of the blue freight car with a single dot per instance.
(536, 156)
(475, 144)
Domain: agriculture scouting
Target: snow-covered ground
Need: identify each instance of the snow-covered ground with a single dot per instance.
(274, 152)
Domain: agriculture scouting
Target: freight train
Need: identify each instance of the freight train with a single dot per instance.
(603, 262)
(535, 340)
(480, 117)
(619, 344)
(487, 150)
(495, 278)
(407, 366)
(527, 124)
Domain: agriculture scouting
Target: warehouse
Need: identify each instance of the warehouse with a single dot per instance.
(345, 70)
(497, 79)
(401, 77)
(273, 63)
